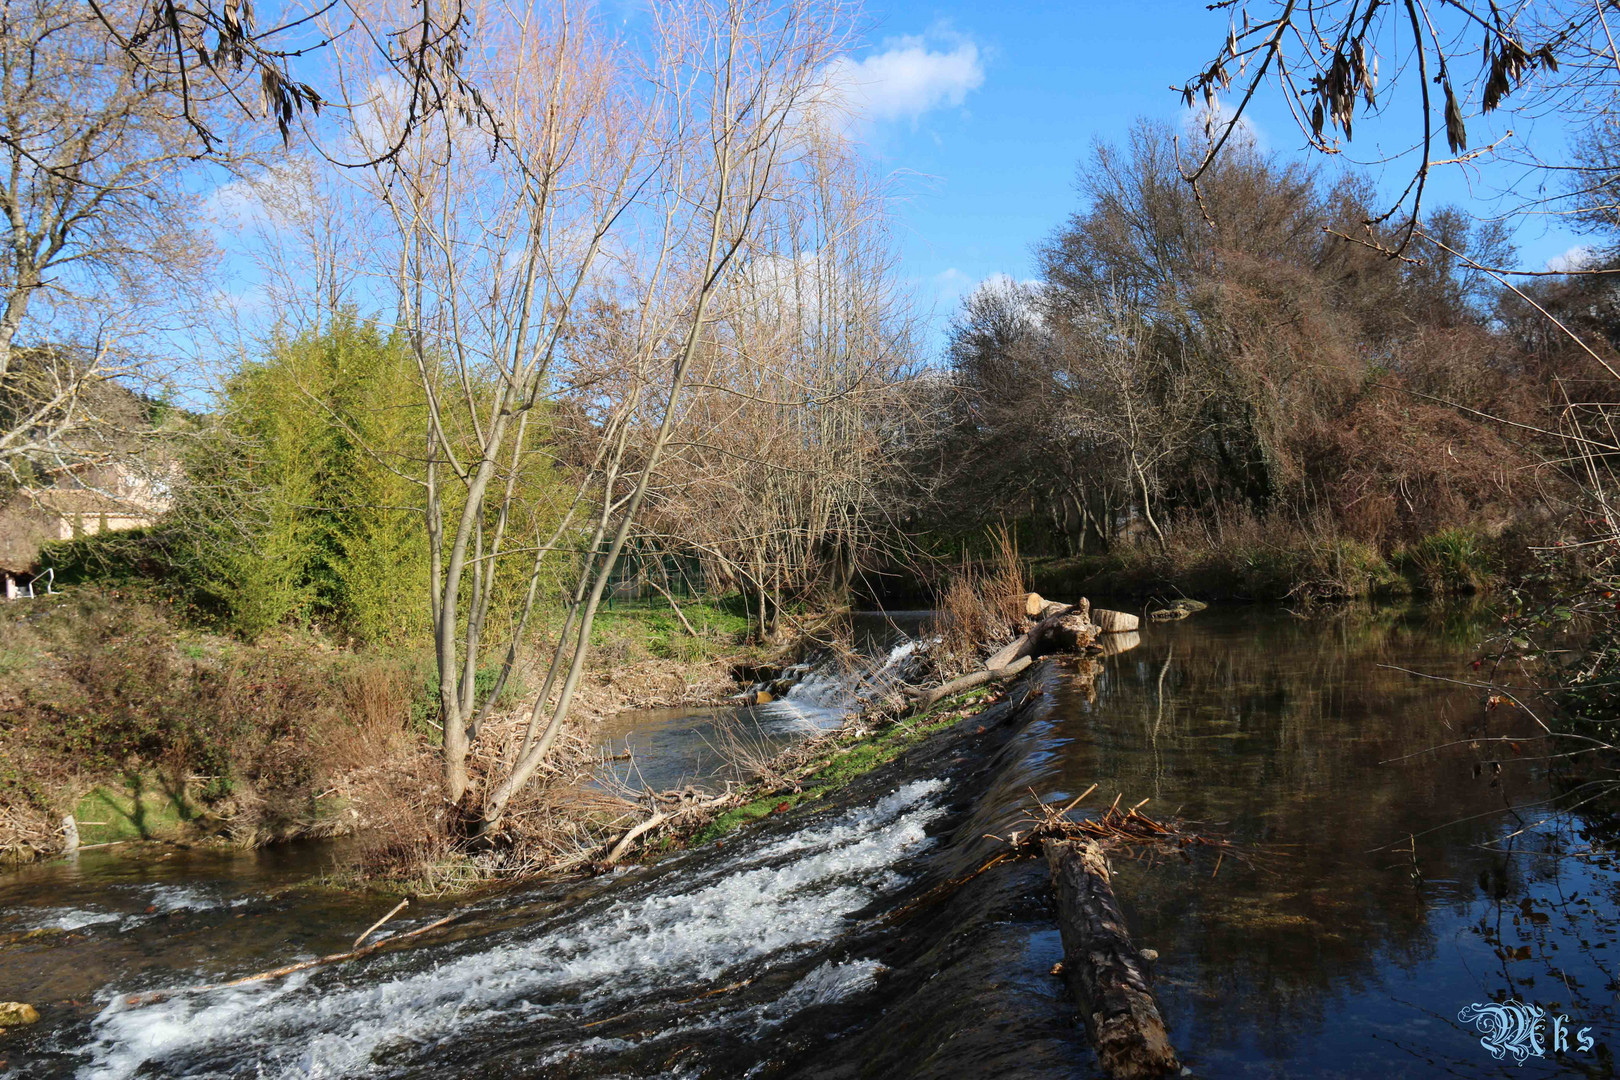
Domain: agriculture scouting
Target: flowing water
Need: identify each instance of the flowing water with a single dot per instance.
(664, 749)
(1385, 888)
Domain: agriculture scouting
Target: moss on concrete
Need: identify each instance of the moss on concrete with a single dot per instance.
(143, 807)
(845, 758)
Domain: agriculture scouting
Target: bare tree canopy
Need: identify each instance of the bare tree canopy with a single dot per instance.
(1334, 65)
(196, 55)
(102, 217)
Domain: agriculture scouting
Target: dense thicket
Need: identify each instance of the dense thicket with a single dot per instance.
(303, 501)
(1186, 363)
(299, 502)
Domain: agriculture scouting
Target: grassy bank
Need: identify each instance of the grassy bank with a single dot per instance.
(814, 770)
(1255, 562)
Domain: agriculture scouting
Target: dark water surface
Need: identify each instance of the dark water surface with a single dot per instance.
(1388, 888)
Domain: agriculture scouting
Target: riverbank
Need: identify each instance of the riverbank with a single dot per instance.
(1251, 563)
(117, 711)
(866, 930)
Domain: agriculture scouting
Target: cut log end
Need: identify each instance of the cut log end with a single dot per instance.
(1115, 622)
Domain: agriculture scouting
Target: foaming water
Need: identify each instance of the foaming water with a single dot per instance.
(657, 749)
(778, 897)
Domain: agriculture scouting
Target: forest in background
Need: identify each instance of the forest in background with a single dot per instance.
(1223, 394)
(578, 316)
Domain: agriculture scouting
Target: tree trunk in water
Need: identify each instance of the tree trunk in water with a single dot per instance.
(1104, 970)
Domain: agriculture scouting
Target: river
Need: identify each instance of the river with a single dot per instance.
(1385, 888)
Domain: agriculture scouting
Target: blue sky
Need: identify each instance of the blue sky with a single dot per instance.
(982, 113)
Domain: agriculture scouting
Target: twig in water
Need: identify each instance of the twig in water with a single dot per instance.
(399, 907)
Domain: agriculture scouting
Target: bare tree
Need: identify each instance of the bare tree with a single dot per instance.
(785, 467)
(580, 262)
(1133, 394)
(1459, 60)
(101, 214)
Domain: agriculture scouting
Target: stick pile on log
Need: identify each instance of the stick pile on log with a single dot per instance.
(1054, 628)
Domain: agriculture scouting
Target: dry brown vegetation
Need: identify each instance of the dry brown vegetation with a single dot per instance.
(1195, 370)
(979, 604)
(292, 737)
(263, 743)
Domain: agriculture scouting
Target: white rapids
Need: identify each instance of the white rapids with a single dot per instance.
(775, 896)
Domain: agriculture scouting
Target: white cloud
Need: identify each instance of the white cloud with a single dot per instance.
(1575, 258)
(953, 289)
(906, 79)
(950, 284)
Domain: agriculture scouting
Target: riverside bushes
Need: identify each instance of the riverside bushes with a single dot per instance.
(1219, 392)
(115, 695)
(1271, 559)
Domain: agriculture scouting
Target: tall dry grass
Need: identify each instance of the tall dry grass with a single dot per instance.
(980, 605)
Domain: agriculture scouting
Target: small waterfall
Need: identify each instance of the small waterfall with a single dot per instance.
(827, 689)
(690, 930)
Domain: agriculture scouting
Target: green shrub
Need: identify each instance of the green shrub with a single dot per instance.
(1449, 561)
(425, 706)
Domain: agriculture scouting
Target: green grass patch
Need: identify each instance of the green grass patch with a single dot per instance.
(632, 632)
(846, 761)
(732, 820)
(1449, 561)
(143, 807)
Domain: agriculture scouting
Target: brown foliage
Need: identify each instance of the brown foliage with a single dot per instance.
(980, 605)
(288, 739)
(1207, 361)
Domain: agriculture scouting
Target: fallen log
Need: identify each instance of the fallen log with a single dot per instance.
(1027, 643)
(367, 932)
(1115, 622)
(155, 996)
(928, 698)
(633, 834)
(1015, 648)
(1104, 970)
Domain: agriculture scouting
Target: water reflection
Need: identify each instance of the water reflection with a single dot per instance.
(1387, 896)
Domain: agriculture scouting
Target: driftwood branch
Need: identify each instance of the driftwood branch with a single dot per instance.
(641, 829)
(929, 698)
(1104, 970)
(276, 973)
(631, 836)
(399, 907)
